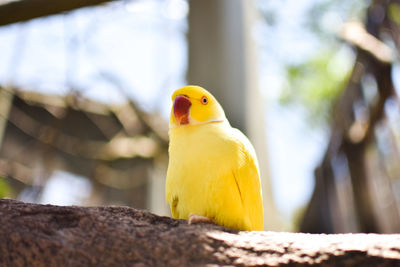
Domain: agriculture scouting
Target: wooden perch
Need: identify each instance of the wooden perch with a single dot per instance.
(46, 235)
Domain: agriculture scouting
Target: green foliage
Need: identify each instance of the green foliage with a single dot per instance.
(317, 82)
(394, 13)
(5, 188)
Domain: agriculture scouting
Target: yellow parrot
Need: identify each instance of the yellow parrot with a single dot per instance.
(213, 173)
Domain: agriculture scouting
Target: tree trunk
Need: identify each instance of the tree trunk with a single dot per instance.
(223, 60)
(46, 235)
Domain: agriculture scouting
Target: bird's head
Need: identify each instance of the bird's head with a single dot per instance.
(194, 105)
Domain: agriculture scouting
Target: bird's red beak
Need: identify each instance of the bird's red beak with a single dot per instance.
(181, 109)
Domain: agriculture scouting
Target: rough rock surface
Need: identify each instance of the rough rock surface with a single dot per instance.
(46, 235)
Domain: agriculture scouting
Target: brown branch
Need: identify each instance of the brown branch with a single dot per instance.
(351, 136)
(23, 10)
(357, 35)
(45, 235)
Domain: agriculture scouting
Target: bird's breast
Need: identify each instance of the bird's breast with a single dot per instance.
(201, 148)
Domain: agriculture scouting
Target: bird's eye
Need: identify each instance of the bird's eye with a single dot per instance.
(204, 100)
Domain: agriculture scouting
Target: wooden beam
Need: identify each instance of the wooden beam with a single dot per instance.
(23, 10)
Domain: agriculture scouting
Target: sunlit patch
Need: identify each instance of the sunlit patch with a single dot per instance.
(65, 188)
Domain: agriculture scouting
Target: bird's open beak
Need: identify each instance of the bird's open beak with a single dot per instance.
(181, 109)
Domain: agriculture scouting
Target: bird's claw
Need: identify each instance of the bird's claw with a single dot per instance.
(194, 218)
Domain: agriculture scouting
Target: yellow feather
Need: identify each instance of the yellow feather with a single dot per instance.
(213, 171)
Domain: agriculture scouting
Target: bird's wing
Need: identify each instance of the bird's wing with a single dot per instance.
(171, 199)
(248, 181)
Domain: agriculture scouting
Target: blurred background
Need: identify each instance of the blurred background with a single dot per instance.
(85, 91)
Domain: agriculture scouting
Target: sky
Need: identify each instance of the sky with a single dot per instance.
(116, 42)
(142, 45)
(294, 148)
